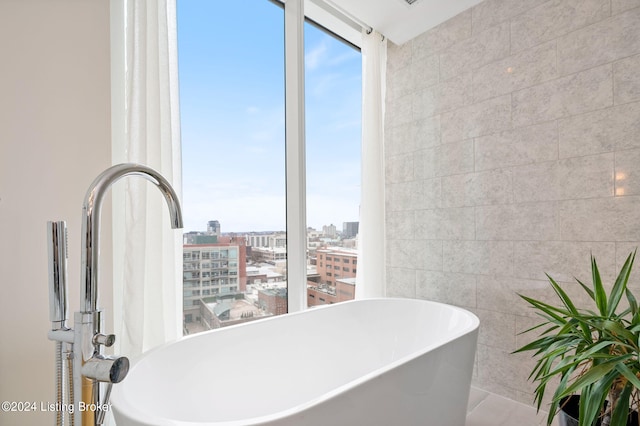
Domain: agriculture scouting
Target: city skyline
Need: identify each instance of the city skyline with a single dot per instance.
(231, 65)
(267, 231)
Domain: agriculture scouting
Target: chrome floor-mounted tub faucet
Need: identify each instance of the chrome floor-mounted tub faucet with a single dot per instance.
(79, 359)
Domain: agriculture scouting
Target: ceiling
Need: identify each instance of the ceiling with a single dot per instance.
(399, 21)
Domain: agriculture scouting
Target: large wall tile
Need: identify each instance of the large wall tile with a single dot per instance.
(401, 282)
(627, 174)
(424, 72)
(554, 19)
(399, 112)
(397, 84)
(480, 119)
(626, 80)
(491, 12)
(400, 225)
(564, 260)
(571, 178)
(432, 193)
(443, 36)
(478, 257)
(600, 219)
(443, 97)
(524, 145)
(618, 6)
(574, 94)
(524, 69)
(512, 222)
(445, 224)
(500, 294)
(413, 195)
(481, 49)
(601, 43)
(400, 139)
(498, 329)
(500, 366)
(398, 56)
(426, 163)
(607, 130)
(454, 158)
(447, 287)
(447, 159)
(477, 189)
(412, 136)
(427, 132)
(399, 168)
(415, 254)
(394, 83)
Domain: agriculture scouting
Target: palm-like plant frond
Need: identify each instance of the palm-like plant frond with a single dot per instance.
(592, 352)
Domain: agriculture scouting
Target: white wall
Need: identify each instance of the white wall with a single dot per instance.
(54, 139)
(513, 149)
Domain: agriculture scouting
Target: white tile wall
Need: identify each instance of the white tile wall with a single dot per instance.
(626, 80)
(524, 69)
(574, 94)
(587, 48)
(553, 19)
(605, 130)
(512, 146)
(618, 6)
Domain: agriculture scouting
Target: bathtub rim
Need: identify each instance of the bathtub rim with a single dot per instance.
(146, 418)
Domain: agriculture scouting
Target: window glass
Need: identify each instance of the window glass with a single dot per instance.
(231, 70)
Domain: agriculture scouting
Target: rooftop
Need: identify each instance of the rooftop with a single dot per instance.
(279, 292)
(343, 251)
(348, 281)
(238, 309)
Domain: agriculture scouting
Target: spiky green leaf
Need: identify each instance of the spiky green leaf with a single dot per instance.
(620, 285)
(598, 288)
(621, 409)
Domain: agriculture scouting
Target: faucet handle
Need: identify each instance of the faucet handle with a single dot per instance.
(105, 401)
(106, 368)
(101, 339)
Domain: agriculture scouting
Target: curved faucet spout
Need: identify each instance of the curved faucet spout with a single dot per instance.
(91, 222)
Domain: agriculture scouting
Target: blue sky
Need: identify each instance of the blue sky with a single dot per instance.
(231, 67)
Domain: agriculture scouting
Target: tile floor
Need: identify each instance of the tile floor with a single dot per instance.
(487, 409)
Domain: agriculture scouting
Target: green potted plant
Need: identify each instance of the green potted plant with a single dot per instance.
(593, 351)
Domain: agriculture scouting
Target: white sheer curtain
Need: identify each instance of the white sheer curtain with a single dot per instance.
(370, 281)
(147, 252)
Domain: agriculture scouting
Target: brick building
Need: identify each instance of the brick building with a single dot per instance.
(337, 268)
(273, 301)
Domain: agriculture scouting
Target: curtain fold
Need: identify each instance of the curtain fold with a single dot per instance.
(148, 253)
(370, 280)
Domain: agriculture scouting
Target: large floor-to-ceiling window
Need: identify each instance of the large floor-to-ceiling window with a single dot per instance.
(333, 94)
(232, 101)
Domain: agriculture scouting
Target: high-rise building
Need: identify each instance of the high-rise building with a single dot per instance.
(212, 269)
(350, 229)
(213, 228)
(329, 230)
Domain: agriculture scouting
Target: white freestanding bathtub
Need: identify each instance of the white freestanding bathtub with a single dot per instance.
(367, 362)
